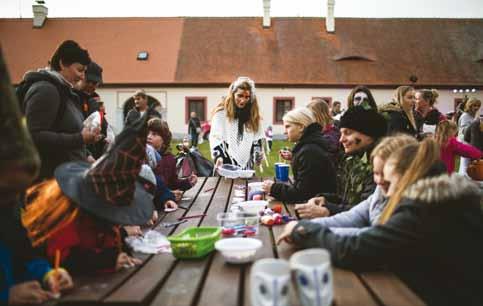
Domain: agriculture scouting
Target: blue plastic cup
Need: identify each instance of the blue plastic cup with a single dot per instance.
(283, 169)
(277, 170)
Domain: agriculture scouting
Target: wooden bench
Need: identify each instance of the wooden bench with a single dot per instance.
(164, 280)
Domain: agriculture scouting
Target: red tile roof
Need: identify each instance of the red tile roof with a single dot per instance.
(292, 52)
(112, 42)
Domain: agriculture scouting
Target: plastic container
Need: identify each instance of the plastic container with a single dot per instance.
(195, 242)
(255, 186)
(253, 207)
(246, 173)
(238, 250)
(238, 224)
(233, 171)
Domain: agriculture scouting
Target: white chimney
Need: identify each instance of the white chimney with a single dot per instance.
(329, 20)
(40, 13)
(266, 13)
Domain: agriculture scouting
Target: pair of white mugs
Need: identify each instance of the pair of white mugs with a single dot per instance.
(270, 279)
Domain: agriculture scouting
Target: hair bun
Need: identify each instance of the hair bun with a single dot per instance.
(435, 93)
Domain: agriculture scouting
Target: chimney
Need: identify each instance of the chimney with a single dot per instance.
(266, 13)
(330, 20)
(40, 13)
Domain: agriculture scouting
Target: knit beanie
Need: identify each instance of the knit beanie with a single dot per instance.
(366, 121)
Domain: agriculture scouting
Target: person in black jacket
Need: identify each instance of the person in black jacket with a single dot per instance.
(86, 89)
(194, 129)
(312, 168)
(51, 109)
(140, 107)
(429, 233)
(474, 134)
(400, 114)
(361, 129)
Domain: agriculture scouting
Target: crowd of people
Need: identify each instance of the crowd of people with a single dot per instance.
(374, 184)
(76, 200)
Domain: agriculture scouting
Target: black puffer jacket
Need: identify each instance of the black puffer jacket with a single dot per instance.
(433, 241)
(313, 170)
(397, 120)
(57, 136)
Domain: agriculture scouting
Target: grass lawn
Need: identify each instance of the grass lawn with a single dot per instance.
(272, 157)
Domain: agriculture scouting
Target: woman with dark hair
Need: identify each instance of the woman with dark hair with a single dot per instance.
(236, 131)
(427, 116)
(51, 109)
(361, 95)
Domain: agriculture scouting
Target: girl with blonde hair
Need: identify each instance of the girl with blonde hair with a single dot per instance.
(450, 146)
(331, 133)
(431, 222)
(236, 134)
(312, 167)
(399, 113)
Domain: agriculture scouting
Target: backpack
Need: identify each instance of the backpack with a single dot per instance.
(24, 86)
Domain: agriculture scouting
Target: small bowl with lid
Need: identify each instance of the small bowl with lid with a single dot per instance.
(238, 250)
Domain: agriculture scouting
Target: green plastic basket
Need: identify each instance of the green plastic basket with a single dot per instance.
(195, 242)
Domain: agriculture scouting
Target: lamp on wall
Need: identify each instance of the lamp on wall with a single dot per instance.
(464, 90)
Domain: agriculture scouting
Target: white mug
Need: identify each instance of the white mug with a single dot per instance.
(313, 277)
(270, 282)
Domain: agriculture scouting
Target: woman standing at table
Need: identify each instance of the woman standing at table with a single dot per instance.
(236, 133)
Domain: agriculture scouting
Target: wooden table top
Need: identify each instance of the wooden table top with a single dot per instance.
(164, 280)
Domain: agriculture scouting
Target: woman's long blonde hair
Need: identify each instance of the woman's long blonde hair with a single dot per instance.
(321, 111)
(47, 211)
(444, 130)
(390, 144)
(399, 95)
(412, 162)
(228, 104)
(471, 101)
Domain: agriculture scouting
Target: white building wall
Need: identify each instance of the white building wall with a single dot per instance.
(173, 101)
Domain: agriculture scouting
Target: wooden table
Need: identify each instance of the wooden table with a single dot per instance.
(163, 280)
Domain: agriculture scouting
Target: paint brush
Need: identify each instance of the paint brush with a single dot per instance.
(55, 288)
(191, 217)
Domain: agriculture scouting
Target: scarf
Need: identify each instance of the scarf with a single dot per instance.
(243, 115)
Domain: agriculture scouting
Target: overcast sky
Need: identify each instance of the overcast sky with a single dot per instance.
(343, 8)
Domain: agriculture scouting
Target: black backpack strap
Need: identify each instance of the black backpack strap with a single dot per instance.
(25, 85)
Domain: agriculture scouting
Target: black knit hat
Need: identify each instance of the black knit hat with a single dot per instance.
(366, 121)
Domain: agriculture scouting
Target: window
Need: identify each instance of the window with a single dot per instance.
(197, 105)
(326, 99)
(281, 105)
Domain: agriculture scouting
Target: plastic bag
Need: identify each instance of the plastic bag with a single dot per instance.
(153, 242)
